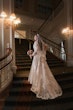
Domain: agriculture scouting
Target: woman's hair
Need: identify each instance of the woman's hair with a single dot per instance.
(42, 45)
(40, 41)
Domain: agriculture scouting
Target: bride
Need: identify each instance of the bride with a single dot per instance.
(44, 85)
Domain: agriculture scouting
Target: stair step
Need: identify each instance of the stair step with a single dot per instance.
(39, 102)
(60, 80)
(63, 76)
(23, 60)
(23, 64)
(49, 63)
(29, 95)
(29, 66)
(24, 67)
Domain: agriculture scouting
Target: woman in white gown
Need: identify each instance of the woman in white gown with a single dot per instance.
(44, 85)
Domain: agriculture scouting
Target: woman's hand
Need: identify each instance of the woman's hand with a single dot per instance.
(29, 52)
(30, 56)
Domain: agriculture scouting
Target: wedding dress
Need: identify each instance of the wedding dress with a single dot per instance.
(44, 85)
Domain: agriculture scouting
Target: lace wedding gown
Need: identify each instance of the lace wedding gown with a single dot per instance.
(44, 85)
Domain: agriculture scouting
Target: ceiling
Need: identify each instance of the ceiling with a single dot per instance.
(33, 22)
(52, 4)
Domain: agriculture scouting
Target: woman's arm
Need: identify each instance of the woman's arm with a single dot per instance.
(35, 50)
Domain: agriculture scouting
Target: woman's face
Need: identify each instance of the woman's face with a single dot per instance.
(35, 37)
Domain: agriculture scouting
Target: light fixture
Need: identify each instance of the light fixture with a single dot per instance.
(13, 16)
(17, 21)
(67, 31)
(11, 20)
(3, 14)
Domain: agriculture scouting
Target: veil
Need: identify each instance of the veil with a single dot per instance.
(43, 46)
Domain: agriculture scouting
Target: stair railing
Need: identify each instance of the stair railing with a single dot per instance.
(6, 73)
(56, 49)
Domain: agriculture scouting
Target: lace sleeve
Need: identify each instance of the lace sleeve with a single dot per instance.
(35, 48)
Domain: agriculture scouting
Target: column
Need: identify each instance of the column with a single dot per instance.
(29, 45)
(69, 37)
(1, 31)
(12, 38)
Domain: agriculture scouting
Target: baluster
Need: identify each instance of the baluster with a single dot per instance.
(62, 53)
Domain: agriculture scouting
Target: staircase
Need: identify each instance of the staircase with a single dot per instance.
(21, 98)
(23, 61)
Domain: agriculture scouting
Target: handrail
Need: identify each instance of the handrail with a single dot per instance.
(50, 40)
(53, 44)
(43, 24)
(58, 45)
(6, 64)
(6, 73)
(58, 4)
(8, 53)
(59, 48)
(3, 58)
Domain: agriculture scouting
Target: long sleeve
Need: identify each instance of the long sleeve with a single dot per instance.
(35, 47)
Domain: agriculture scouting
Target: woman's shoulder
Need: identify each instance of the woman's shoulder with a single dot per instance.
(36, 42)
